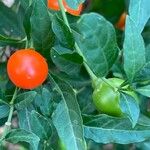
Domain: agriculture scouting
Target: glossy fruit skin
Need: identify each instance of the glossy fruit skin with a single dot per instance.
(53, 4)
(106, 99)
(27, 69)
(121, 23)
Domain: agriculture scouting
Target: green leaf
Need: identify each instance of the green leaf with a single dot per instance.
(42, 34)
(148, 53)
(97, 41)
(8, 40)
(40, 125)
(74, 3)
(26, 21)
(33, 122)
(85, 101)
(25, 3)
(107, 129)
(67, 118)
(19, 135)
(24, 99)
(11, 22)
(129, 106)
(139, 11)
(44, 101)
(62, 50)
(134, 50)
(3, 78)
(4, 109)
(144, 73)
(144, 145)
(145, 90)
(24, 118)
(77, 82)
(62, 32)
(68, 63)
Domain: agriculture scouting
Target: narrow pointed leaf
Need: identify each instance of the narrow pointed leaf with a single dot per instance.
(107, 129)
(139, 12)
(36, 123)
(18, 135)
(130, 107)
(145, 90)
(24, 100)
(62, 32)
(67, 119)
(8, 40)
(144, 73)
(134, 50)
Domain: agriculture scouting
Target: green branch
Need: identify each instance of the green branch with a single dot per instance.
(92, 75)
(90, 72)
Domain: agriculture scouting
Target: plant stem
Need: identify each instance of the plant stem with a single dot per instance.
(14, 96)
(90, 72)
(8, 123)
(92, 75)
(63, 11)
(29, 43)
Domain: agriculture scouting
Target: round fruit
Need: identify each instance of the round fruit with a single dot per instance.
(106, 98)
(27, 69)
(121, 23)
(54, 5)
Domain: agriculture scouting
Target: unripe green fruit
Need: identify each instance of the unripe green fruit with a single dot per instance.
(106, 98)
